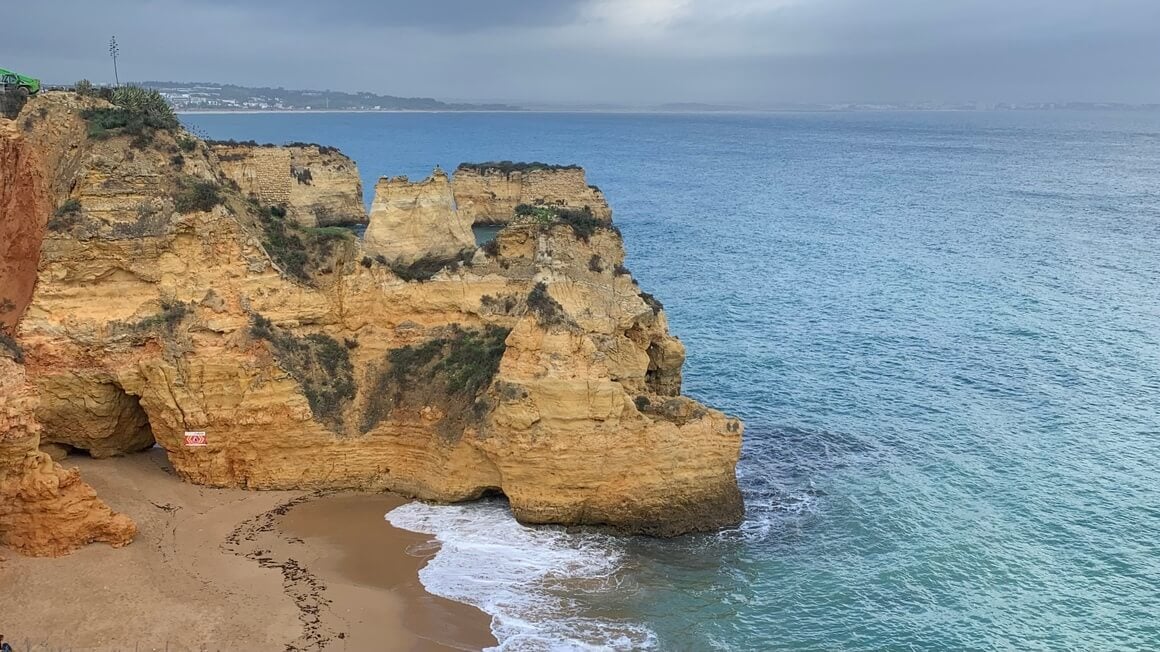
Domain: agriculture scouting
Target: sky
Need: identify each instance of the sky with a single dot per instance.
(742, 52)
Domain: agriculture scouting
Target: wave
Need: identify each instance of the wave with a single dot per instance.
(540, 585)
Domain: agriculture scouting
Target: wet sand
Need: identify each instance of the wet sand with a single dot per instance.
(356, 552)
(221, 569)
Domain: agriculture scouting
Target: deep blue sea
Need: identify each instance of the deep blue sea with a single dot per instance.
(942, 331)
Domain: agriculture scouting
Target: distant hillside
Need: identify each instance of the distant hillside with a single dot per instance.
(194, 96)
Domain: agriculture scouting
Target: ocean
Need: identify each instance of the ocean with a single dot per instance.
(942, 331)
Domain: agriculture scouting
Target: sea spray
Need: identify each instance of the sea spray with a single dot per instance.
(539, 584)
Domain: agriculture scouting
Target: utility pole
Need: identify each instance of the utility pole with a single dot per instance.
(113, 52)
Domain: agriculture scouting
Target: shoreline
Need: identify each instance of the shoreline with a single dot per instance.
(234, 569)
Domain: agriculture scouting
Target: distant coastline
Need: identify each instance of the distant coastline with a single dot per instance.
(269, 111)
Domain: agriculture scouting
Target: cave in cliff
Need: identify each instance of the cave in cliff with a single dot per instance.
(98, 418)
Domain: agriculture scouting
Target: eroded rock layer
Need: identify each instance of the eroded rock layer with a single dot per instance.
(534, 366)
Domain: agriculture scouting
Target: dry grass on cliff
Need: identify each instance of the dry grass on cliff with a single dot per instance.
(450, 373)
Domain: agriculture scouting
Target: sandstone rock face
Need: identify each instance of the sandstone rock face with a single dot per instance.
(25, 204)
(535, 367)
(319, 186)
(489, 195)
(413, 221)
(44, 509)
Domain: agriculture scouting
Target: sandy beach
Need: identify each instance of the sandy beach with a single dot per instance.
(220, 569)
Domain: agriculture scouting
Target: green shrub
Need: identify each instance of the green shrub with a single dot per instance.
(325, 149)
(149, 222)
(9, 346)
(429, 265)
(548, 311)
(238, 143)
(473, 359)
(319, 363)
(69, 206)
(187, 144)
(141, 141)
(196, 195)
(583, 223)
(491, 247)
(505, 304)
(652, 302)
(451, 371)
(295, 249)
(147, 103)
(83, 88)
(66, 216)
(136, 112)
(508, 167)
(171, 315)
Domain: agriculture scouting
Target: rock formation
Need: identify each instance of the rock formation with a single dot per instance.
(415, 221)
(44, 509)
(534, 366)
(318, 185)
(488, 193)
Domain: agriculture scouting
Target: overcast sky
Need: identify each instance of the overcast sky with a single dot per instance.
(624, 51)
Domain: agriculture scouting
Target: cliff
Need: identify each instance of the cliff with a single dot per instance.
(44, 508)
(488, 193)
(410, 222)
(168, 302)
(318, 186)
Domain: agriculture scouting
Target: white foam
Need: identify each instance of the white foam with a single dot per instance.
(530, 580)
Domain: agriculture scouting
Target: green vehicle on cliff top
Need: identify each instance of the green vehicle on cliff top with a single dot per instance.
(22, 85)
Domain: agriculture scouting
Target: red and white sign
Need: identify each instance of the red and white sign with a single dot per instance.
(194, 438)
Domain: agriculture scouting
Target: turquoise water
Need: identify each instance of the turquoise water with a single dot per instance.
(943, 332)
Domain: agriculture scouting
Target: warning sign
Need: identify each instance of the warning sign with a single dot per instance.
(194, 438)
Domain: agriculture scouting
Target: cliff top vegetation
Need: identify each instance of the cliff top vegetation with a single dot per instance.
(508, 167)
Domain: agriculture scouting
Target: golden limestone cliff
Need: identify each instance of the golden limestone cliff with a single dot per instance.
(318, 185)
(488, 193)
(44, 508)
(534, 366)
(410, 222)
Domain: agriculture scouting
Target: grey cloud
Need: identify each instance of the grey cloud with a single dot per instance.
(637, 51)
(443, 16)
